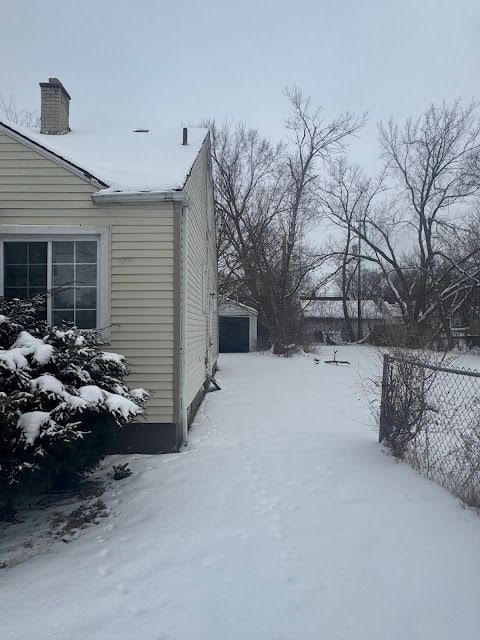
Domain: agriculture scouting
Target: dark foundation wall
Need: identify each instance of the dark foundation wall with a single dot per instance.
(194, 406)
(155, 437)
(198, 399)
(148, 437)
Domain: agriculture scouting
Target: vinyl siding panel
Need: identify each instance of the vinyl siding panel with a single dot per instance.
(201, 277)
(35, 190)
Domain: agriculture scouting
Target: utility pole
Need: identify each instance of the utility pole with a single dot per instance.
(359, 283)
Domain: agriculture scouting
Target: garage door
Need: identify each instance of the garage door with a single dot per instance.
(233, 334)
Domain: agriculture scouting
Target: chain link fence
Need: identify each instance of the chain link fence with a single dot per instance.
(430, 417)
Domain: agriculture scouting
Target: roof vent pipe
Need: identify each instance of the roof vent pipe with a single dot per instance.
(185, 136)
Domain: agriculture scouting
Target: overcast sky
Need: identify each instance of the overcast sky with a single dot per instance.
(143, 62)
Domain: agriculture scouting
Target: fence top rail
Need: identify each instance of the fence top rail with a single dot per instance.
(433, 367)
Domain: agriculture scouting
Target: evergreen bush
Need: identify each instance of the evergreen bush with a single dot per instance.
(62, 399)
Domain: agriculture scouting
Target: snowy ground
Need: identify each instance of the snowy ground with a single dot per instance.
(282, 520)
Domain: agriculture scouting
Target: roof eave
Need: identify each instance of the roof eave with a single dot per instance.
(138, 197)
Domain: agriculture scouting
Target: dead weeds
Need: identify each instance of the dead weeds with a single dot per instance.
(65, 526)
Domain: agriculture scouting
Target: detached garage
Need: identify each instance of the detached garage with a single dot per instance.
(237, 327)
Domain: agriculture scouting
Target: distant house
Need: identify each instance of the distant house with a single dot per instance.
(119, 225)
(465, 321)
(324, 318)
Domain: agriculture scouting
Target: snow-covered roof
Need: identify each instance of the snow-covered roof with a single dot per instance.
(125, 160)
(334, 309)
(225, 304)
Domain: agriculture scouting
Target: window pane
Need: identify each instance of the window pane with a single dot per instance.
(86, 274)
(16, 252)
(74, 273)
(37, 253)
(86, 298)
(37, 275)
(86, 319)
(86, 251)
(62, 275)
(16, 292)
(62, 316)
(37, 291)
(16, 276)
(63, 299)
(63, 252)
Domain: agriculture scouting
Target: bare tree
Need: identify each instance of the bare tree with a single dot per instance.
(266, 200)
(346, 196)
(412, 235)
(18, 115)
(436, 160)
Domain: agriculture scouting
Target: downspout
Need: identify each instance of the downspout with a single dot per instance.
(183, 324)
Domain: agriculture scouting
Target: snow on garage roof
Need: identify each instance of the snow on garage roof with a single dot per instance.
(228, 304)
(132, 161)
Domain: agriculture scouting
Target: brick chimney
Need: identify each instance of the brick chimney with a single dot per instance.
(54, 112)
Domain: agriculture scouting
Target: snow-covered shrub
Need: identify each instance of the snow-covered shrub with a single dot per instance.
(61, 400)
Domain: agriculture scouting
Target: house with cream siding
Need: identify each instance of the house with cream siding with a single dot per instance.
(119, 227)
(324, 318)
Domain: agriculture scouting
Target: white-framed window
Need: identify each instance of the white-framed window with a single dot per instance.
(71, 263)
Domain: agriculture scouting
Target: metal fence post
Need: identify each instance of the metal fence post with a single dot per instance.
(383, 406)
